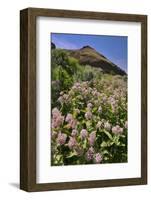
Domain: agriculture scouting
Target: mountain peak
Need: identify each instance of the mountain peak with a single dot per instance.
(89, 56)
(87, 47)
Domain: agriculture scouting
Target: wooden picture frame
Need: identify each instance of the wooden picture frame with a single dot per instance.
(28, 98)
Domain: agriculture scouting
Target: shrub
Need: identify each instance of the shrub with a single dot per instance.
(91, 122)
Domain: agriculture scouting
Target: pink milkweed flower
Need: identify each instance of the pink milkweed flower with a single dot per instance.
(61, 100)
(74, 87)
(107, 126)
(61, 139)
(99, 124)
(55, 112)
(88, 115)
(117, 130)
(72, 142)
(74, 132)
(85, 91)
(111, 100)
(57, 118)
(83, 133)
(71, 121)
(98, 94)
(97, 158)
(73, 124)
(92, 138)
(89, 106)
(69, 117)
(90, 154)
(104, 98)
(65, 96)
(77, 110)
(77, 84)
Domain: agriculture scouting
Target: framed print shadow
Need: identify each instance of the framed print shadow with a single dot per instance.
(83, 99)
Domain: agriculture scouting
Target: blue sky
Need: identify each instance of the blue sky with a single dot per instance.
(112, 47)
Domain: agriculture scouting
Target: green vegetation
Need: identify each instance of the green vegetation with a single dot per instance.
(89, 113)
(66, 71)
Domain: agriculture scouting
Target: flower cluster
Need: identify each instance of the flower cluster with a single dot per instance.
(90, 123)
(57, 118)
(117, 130)
(61, 139)
(71, 121)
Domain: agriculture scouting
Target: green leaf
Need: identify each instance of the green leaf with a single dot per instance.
(108, 134)
(122, 145)
(104, 144)
(71, 154)
(105, 152)
(58, 159)
(106, 158)
(84, 144)
(116, 140)
(94, 109)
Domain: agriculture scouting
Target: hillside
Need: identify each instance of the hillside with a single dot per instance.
(88, 108)
(89, 56)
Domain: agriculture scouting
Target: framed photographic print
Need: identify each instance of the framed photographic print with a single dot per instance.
(83, 93)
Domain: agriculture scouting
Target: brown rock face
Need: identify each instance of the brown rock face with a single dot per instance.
(89, 56)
